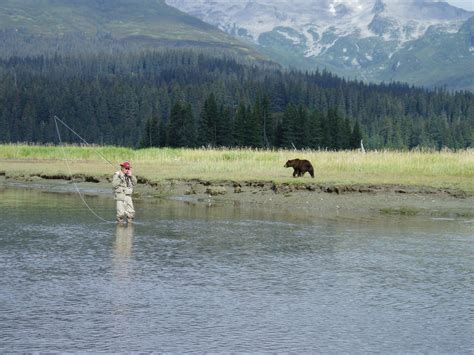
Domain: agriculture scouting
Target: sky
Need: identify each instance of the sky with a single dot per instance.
(463, 4)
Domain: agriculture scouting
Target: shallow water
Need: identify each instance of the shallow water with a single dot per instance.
(197, 278)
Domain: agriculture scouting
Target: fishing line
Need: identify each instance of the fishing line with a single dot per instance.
(64, 123)
(56, 119)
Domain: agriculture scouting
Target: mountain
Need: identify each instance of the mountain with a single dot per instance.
(417, 41)
(29, 27)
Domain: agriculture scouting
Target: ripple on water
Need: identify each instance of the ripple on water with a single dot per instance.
(184, 280)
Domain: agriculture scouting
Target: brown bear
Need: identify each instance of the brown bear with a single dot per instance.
(300, 166)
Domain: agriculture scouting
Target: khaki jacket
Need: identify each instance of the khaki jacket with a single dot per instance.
(123, 185)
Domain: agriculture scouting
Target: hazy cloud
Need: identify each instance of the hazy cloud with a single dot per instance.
(463, 4)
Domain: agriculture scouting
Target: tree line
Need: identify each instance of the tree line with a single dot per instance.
(251, 126)
(183, 98)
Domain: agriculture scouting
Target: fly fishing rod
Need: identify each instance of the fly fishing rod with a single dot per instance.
(56, 120)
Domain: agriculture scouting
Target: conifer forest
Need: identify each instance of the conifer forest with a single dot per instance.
(187, 98)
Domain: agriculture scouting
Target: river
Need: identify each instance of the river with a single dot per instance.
(192, 277)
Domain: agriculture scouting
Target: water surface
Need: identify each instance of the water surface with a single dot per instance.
(196, 278)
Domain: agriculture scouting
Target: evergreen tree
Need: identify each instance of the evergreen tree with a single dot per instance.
(287, 134)
(224, 127)
(4, 127)
(151, 134)
(189, 128)
(253, 126)
(356, 137)
(175, 126)
(345, 134)
(315, 140)
(239, 126)
(327, 139)
(162, 134)
(334, 130)
(208, 123)
(250, 130)
(27, 122)
(266, 122)
(301, 128)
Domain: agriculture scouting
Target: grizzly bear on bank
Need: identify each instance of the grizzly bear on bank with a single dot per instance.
(300, 167)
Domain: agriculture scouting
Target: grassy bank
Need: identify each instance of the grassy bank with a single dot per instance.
(432, 169)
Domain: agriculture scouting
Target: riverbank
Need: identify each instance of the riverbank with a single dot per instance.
(432, 183)
(308, 199)
(418, 169)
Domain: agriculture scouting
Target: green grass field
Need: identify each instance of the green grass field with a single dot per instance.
(443, 169)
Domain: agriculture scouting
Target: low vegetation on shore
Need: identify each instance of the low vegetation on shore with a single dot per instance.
(434, 169)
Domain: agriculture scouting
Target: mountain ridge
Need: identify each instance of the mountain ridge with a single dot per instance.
(140, 23)
(354, 39)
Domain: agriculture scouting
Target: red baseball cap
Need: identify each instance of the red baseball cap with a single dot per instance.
(126, 165)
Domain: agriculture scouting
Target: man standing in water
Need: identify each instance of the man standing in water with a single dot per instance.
(123, 183)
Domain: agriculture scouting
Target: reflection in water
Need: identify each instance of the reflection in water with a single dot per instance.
(123, 250)
(122, 299)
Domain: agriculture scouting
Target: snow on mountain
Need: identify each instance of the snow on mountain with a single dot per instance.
(251, 18)
(341, 35)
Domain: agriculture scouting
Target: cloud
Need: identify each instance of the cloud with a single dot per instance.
(463, 4)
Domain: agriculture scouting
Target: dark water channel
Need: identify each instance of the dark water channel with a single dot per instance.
(196, 278)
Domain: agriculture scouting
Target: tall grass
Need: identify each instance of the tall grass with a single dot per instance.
(444, 169)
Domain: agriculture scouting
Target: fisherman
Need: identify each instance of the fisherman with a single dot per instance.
(123, 183)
